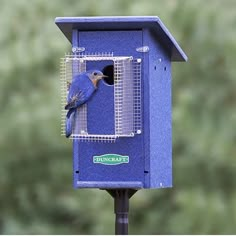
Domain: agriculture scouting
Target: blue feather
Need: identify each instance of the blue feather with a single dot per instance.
(81, 90)
(70, 121)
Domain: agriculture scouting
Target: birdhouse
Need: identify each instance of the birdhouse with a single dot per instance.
(122, 135)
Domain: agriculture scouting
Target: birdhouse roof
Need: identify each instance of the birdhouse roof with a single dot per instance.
(161, 33)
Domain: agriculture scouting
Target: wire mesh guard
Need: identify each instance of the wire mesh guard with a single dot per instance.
(127, 96)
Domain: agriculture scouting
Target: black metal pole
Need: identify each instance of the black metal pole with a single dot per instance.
(121, 208)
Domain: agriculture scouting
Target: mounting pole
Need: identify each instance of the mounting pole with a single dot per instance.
(121, 208)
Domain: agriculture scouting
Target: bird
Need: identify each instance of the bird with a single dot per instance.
(81, 89)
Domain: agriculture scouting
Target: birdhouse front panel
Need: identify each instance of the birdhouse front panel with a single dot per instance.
(101, 106)
(111, 112)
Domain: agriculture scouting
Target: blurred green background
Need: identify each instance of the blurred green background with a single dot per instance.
(36, 194)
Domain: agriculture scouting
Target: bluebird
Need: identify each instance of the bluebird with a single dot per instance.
(81, 90)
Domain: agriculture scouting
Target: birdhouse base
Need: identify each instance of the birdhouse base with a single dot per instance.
(110, 185)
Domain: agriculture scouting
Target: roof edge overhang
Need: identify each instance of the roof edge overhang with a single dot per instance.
(67, 24)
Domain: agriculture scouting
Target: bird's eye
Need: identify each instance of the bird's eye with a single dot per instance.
(95, 73)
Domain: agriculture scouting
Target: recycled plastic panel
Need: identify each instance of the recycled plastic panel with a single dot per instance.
(91, 174)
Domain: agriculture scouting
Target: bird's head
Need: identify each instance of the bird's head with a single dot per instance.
(95, 76)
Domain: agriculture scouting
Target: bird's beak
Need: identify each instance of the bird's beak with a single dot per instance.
(103, 76)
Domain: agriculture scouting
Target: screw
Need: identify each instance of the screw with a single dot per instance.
(74, 49)
(139, 60)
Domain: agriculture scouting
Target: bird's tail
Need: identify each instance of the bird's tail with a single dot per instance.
(70, 119)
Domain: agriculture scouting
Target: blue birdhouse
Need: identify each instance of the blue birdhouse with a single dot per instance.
(122, 135)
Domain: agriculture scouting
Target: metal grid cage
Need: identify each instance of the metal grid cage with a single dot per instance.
(127, 95)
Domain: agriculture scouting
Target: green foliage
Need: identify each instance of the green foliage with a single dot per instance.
(36, 195)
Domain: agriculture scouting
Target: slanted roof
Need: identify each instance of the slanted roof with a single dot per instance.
(67, 24)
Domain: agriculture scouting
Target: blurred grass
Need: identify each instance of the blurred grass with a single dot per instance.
(36, 194)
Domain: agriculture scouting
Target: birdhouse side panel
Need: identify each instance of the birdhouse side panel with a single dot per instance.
(159, 115)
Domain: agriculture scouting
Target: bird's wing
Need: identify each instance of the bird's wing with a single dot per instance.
(80, 91)
(77, 98)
